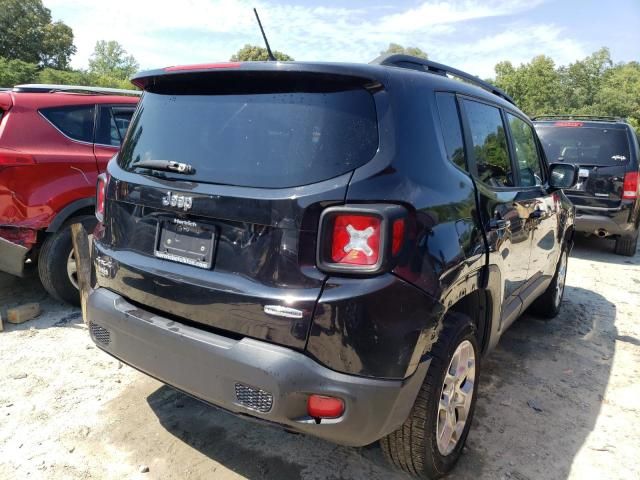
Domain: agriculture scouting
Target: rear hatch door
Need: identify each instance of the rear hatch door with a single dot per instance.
(601, 153)
(231, 245)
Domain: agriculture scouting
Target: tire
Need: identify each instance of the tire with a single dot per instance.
(548, 304)
(414, 447)
(52, 262)
(627, 245)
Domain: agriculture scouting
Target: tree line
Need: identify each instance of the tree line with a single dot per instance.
(36, 49)
(591, 86)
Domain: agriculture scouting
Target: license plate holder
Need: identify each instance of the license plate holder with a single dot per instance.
(583, 178)
(185, 241)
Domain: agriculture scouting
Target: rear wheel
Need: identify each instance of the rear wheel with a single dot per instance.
(56, 262)
(548, 304)
(430, 442)
(627, 245)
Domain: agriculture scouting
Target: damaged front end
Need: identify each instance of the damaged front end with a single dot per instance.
(15, 245)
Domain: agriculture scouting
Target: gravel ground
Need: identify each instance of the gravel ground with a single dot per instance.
(557, 400)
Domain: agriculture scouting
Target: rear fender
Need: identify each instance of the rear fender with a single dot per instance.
(70, 211)
(43, 198)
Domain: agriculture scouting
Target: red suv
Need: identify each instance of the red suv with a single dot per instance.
(54, 142)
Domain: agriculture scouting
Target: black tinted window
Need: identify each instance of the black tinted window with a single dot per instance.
(584, 145)
(113, 124)
(74, 122)
(451, 130)
(526, 152)
(489, 144)
(272, 140)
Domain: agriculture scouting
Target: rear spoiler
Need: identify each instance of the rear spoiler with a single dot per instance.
(153, 78)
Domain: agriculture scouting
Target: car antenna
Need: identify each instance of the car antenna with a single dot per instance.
(266, 42)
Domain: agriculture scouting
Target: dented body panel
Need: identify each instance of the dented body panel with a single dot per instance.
(43, 172)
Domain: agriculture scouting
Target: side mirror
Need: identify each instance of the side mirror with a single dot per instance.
(562, 175)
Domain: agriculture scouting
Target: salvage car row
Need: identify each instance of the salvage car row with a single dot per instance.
(332, 248)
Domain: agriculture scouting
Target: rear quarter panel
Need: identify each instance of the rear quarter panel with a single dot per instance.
(64, 169)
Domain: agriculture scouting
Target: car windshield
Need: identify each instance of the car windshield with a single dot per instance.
(271, 140)
(582, 145)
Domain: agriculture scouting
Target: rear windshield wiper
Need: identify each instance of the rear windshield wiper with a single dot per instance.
(165, 165)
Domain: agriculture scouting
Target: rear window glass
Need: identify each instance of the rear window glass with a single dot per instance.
(74, 122)
(585, 145)
(271, 140)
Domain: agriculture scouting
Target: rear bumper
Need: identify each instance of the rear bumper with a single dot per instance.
(12, 257)
(592, 222)
(211, 367)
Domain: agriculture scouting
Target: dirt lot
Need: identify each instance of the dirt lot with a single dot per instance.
(557, 400)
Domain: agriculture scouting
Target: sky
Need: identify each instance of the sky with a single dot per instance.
(472, 35)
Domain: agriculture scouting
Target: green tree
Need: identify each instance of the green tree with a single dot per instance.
(80, 77)
(28, 34)
(413, 51)
(581, 80)
(57, 46)
(535, 86)
(110, 59)
(15, 72)
(254, 53)
(591, 86)
(619, 93)
(64, 77)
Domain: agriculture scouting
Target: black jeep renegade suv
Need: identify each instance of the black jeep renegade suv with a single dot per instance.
(607, 154)
(328, 247)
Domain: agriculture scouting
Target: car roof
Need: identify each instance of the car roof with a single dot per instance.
(57, 99)
(83, 89)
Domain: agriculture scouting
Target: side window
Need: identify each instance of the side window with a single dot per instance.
(489, 144)
(75, 122)
(113, 124)
(527, 158)
(451, 129)
(122, 119)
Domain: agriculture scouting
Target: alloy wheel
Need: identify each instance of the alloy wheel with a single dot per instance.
(456, 397)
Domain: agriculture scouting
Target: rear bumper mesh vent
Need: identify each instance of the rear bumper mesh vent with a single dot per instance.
(100, 334)
(254, 398)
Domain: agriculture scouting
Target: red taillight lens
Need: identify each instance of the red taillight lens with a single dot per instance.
(361, 239)
(101, 193)
(568, 124)
(203, 66)
(356, 240)
(631, 186)
(397, 236)
(321, 406)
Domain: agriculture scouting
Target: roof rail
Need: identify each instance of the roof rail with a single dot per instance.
(422, 65)
(580, 117)
(46, 88)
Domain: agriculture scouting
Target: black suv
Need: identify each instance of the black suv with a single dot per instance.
(606, 151)
(328, 247)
